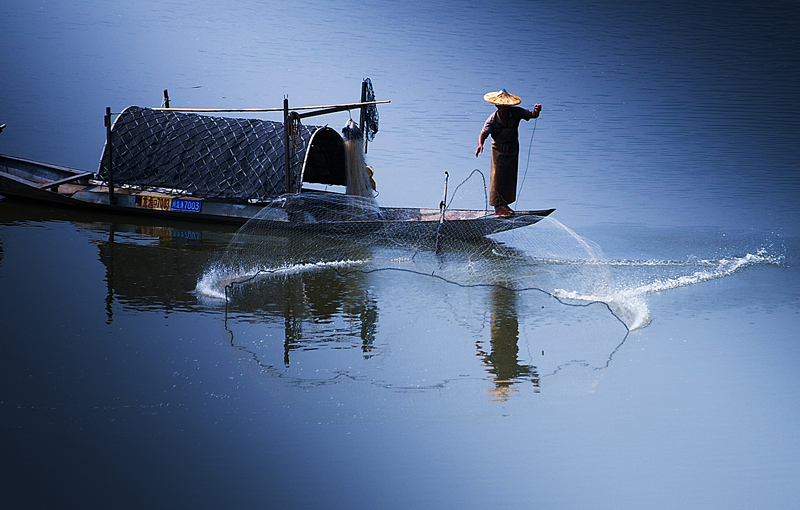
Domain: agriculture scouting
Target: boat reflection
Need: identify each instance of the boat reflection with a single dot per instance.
(315, 310)
(327, 324)
(156, 267)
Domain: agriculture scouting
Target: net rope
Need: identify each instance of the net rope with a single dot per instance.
(317, 231)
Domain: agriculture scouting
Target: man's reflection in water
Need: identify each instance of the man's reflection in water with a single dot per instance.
(293, 314)
(502, 361)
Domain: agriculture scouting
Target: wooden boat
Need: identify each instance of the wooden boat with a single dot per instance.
(55, 184)
(177, 163)
(47, 183)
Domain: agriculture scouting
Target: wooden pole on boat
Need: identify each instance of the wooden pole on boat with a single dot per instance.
(286, 138)
(111, 198)
(363, 119)
(323, 109)
(442, 207)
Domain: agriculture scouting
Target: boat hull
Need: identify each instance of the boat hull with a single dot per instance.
(43, 182)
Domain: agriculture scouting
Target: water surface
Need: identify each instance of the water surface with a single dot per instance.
(652, 367)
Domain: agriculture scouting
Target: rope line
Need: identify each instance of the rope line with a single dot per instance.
(530, 144)
(260, 272)
(485, 193)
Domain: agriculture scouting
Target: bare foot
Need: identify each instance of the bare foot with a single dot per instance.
(503, 211)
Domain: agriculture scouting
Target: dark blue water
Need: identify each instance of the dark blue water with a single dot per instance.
(668, 142)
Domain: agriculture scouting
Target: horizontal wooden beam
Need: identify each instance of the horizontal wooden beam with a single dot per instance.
(66, 180)
(338, 107)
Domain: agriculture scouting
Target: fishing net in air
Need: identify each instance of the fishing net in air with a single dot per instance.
(302, 234)
(320, 273)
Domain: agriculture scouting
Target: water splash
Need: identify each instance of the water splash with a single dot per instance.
(628, 301)
(547, 256)
(575, 270)
(216, 281)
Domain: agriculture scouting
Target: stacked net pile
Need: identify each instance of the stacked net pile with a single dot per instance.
(212, 157)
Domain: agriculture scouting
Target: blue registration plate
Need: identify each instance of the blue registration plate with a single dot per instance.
(168, 203)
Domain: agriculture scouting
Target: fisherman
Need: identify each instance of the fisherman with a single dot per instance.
(503, 126)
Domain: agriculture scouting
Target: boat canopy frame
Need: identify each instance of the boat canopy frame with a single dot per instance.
(188, 152)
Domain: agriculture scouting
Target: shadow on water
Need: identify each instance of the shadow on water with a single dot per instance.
(310, 311)
(502, 359)
(149, 265)
(153, 267)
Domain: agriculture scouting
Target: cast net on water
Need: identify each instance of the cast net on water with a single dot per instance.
(351, 233)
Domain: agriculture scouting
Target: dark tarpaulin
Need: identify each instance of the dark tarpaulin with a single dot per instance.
(218, 157)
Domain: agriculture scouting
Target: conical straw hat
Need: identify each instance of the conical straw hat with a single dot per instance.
(502, 98)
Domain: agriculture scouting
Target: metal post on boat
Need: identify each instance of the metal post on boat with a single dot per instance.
(287, 126)
(442, 207)
(111, 198)
(166, 98)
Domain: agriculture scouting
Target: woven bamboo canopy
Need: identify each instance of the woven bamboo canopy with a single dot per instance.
(219, 157)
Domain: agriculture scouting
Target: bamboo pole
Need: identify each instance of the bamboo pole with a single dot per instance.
(362, 117)
(262, 110)
(442, 207)
(287, 126)
(111, 198)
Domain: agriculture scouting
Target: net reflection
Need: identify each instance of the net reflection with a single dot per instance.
(315, 323)
(291, 279)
